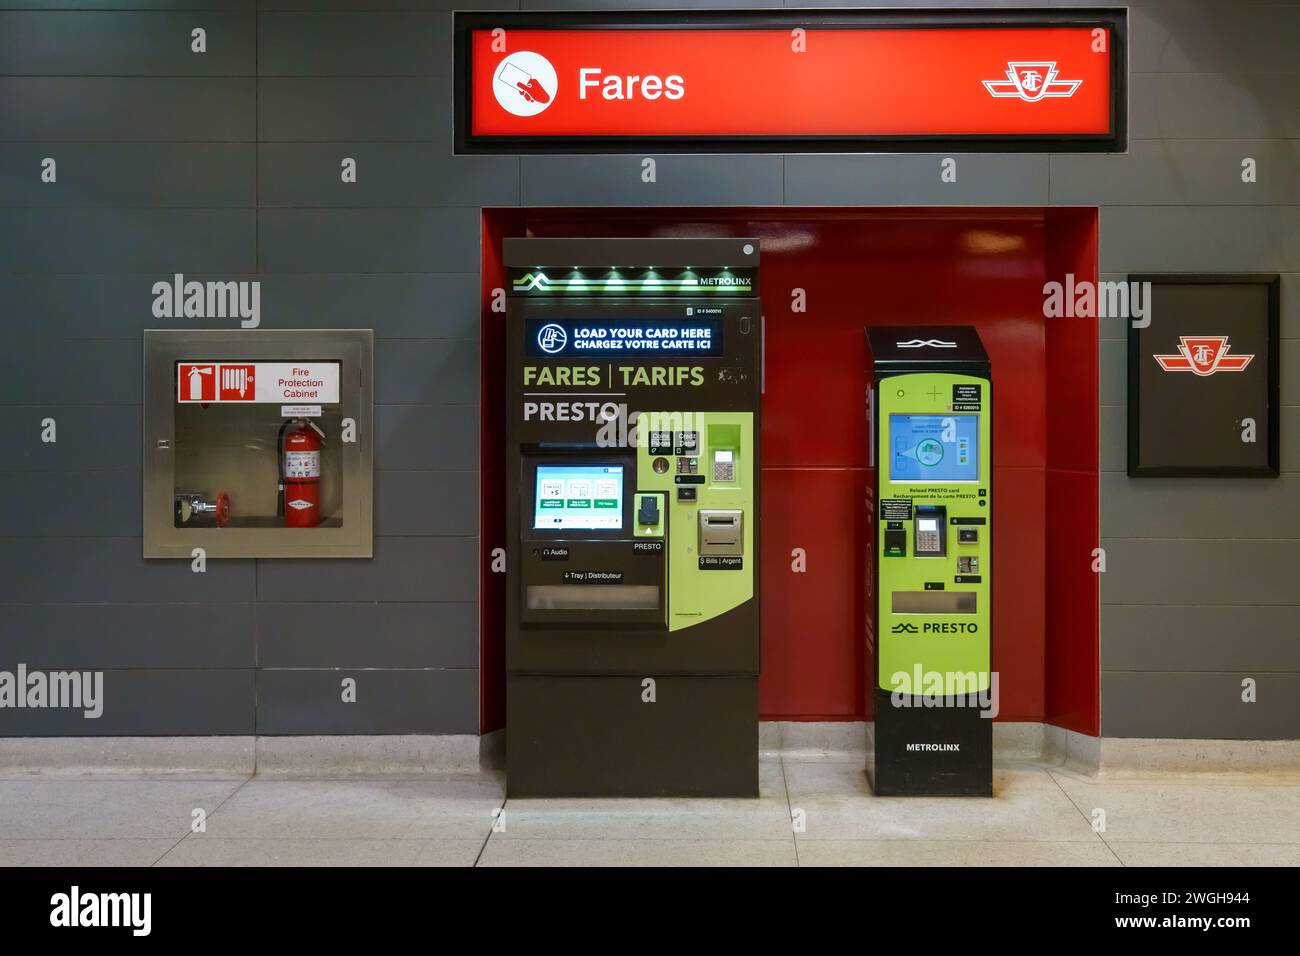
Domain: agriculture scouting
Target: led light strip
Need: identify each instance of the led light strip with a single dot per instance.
(541, 282)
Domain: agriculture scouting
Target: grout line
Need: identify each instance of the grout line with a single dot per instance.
(1087, 819)
(487, 839)
(189, 832)
(789, 811)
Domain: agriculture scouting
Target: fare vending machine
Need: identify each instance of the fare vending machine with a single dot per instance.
(632, 431)
(929, 616)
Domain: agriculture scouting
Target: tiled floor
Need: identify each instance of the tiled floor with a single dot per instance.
(1040, 816)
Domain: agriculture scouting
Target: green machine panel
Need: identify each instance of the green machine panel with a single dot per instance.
(930, 617)
(632, 459)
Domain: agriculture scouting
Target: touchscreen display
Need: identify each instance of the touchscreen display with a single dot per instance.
(934, 447)
(578, 497)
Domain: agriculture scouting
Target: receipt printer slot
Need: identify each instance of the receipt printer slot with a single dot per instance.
(721, 532)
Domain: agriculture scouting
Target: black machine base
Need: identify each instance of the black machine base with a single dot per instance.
(574, 736)
(931, 751)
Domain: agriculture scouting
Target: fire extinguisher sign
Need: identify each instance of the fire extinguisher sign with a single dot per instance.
(228, 382)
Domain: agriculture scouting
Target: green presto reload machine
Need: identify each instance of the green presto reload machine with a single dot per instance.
(930, 613)
(632, 474)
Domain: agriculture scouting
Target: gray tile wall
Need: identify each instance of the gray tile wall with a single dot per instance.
(1199, 595)
(226, 165)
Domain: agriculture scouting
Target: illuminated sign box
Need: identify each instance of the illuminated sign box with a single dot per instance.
(599, 339)
(849, 81)
(1203, 378)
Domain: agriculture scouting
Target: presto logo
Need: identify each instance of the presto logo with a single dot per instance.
(934, 627)
(926, 343)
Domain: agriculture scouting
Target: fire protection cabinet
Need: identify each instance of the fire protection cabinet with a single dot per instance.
(930, 612)
(257, 444)
(632, 647)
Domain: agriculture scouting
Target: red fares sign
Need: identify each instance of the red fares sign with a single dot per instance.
(939, 82)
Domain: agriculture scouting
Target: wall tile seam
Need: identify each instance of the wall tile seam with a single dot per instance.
(124, 470)
(213, 75)
(242, 207)
(389, 536)
(234, 207)
(1241, 671)
(1159, 140)
(244, 74)
(1188, 539)
(1190, 604)
(1223, 73)
(1124, 341)
(35, 337)
(1173, 204)
(133, 274)
(1288, 275)
(1180, 540)
(198, 667)
(368, 141)
(4, 404)
(300, 207)
(1217, 207)
(251, 603)
(233, 141)
(326, 668)
(165, 271)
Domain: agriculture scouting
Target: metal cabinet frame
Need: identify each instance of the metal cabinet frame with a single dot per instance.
(163, 348)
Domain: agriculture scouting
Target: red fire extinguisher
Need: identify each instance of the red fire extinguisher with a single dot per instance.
(300, 471)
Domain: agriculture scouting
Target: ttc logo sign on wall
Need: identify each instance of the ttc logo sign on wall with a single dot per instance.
(1032, 82)
(1203, 355)
(525, 83)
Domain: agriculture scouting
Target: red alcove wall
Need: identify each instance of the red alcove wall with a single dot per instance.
(859, 267)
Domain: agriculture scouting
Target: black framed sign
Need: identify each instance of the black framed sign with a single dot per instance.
(690, 81)
(1203, 396)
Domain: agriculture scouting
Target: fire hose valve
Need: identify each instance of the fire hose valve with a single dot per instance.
(189, 506)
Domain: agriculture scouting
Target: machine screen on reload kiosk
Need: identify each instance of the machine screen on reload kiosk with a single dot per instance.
(934, 447)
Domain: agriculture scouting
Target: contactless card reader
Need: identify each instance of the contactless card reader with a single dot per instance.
(648, 513)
